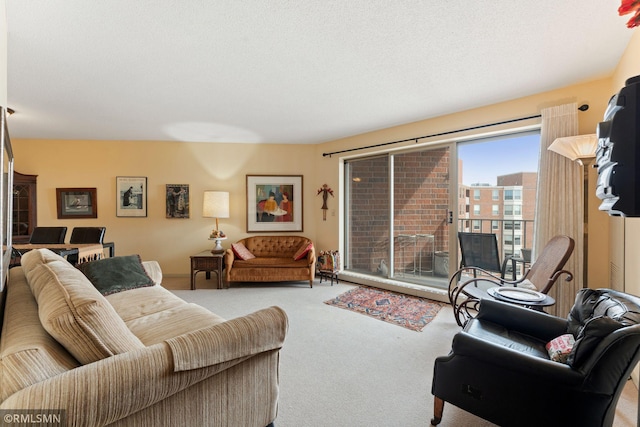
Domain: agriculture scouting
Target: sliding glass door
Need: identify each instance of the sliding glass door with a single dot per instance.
(397, 216)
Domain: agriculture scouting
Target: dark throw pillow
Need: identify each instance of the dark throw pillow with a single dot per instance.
(117, 274)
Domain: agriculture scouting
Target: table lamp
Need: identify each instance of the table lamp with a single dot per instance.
(216, 205)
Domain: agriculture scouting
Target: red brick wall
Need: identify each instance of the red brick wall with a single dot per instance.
(421, 196)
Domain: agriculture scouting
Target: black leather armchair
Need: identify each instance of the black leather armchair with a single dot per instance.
(500, 370)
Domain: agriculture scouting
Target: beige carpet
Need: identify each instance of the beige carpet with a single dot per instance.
(339, 368)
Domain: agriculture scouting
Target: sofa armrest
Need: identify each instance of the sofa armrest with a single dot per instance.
(116, 387)
(153, 270)
(244, 336)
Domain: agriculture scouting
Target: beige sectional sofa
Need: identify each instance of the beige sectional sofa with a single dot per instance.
(136, 357)
(271, 259)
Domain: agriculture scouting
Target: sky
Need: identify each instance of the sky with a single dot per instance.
(483, 162)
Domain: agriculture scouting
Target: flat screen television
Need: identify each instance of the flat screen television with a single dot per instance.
(618, 153)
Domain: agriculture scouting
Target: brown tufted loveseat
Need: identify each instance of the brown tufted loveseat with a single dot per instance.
(273, 260)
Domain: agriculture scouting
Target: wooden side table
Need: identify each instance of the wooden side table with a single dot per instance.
(207, 262)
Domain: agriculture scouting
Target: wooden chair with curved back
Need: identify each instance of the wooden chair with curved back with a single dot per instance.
(465, 295)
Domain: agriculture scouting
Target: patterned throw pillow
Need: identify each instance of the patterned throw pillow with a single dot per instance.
(559, 348)
(241, 251)
(303, 251)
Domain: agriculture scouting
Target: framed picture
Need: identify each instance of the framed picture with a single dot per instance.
(177, 200)
(274, 203)
(131, 196)
(77, 203)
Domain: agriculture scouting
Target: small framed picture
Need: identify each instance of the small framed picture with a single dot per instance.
(274, 203)
(177, 200)
(131, 196)
(77, 203)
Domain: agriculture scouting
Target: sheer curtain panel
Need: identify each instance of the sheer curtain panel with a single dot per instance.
(560, 207)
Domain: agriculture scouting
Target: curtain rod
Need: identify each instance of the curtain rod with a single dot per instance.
(436, 134)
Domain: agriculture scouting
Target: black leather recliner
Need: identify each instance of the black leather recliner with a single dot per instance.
(500, 370)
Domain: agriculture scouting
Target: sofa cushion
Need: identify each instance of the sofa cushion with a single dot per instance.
(270, 262)
(302, 251)
(162, 325)
(143, 302)
(73, 311)
(28, 354)
(117, 274)
(241, 251)
(274, 246)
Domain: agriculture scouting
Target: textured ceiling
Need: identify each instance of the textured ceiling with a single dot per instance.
(285, 71)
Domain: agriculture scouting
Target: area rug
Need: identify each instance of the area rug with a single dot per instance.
(403, 310)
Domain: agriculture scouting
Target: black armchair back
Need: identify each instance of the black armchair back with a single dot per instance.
(500, 370)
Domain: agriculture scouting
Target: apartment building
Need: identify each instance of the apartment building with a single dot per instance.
(506, 209)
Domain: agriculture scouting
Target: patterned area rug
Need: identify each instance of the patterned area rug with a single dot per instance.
(403, 310)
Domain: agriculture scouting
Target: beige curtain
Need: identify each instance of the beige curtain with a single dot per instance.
(559, 205)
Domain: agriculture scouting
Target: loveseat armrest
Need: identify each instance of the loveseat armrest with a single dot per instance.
(521, 319)
(311, 258)
(244, 336)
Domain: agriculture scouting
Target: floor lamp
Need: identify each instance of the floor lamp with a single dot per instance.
(581, 149)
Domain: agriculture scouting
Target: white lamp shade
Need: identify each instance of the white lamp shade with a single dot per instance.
(216, 204)
(576, 147)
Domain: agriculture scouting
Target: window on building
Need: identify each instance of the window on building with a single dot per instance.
(476, 194)
(495, 194)
(495, 210)
(508, 194)
(495, 225)
(508, 210)
(476, 224)
(476, 209)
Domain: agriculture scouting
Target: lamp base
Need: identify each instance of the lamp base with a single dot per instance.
(218, 249)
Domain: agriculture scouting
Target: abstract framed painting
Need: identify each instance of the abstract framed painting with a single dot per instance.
(274, 203)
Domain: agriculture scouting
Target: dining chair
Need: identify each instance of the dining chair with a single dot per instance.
(85, 235)
(39, 236)
(43, 235)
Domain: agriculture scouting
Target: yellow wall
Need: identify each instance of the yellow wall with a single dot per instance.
(60, 164)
